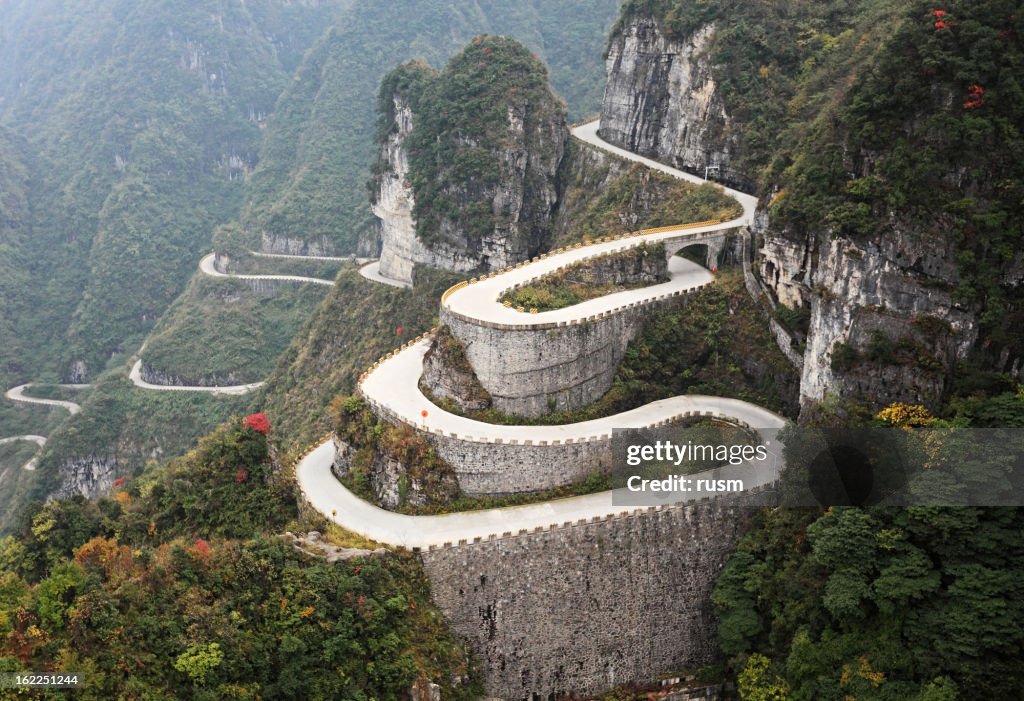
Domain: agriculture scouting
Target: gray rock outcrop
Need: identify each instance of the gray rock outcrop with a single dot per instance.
(662, 101)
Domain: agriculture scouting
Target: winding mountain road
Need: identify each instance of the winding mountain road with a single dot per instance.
(392, 386)
(17, 394)
(371, 271)
(588, 133)
(38, 440)
(296, 256)
(207, 267)
(135, 375)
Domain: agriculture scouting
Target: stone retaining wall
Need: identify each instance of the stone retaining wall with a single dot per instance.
(530, 371)
(586, 607)
(493, 467)
(533, 369)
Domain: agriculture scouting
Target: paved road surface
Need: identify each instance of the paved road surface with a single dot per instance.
(326, 494)
(394, 386)
(206, 265)
(479, 300)
(588, 133)
(371, 271)
(136, 377)
(294, 256)
(38, 440)
(17, 394)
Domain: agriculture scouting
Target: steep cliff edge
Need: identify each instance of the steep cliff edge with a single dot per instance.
(679, 116)
(468, 176)
(901, 217)
(872, 131)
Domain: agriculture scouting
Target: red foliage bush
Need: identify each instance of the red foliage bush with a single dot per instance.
(975, 97)
(257, 422)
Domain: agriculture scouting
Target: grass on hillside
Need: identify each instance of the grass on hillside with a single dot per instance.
(569, 286)
(53, 391)
(17, 418)
(641, 198)
(357, 323)
(221, 326)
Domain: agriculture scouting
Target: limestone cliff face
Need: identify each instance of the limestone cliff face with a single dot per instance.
(884, 324)
(90, 477)
(277, 243)
(401, 248)
(662, 101)
(479, 189)
(157, 376)
(523, 200)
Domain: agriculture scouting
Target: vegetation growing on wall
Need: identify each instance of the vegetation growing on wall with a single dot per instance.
(374, 439)
(574, 283)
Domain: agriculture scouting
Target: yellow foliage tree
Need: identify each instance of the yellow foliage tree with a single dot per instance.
(906, 415)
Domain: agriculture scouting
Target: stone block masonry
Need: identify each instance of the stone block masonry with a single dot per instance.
(495, 467)
(585, 607)
(531, 365)
(533, 370)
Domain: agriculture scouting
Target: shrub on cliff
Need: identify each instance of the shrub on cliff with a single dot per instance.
(356, 425)
(227, 487)
(471, 123)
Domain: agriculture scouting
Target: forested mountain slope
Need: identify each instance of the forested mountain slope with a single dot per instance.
(309, 194)
(134, 129)
(882, 137)
(143, 119)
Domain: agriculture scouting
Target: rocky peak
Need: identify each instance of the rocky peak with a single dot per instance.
(467, 177)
